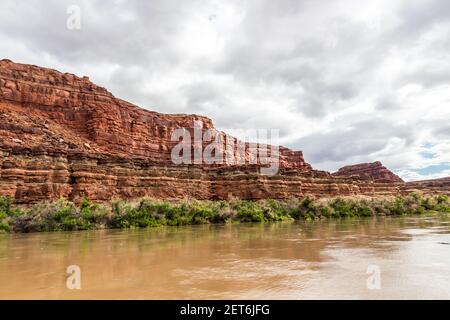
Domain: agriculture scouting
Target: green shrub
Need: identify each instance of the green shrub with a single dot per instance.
(325, 211)
(4, 227)
(222, 212)
(201, 213)
(442, 199)
(177, 215)
(249, 211)
(363, 209)
(125, 215)
(303, 210)
(274, 210)
(342, 208)
(63, 215)
(429, 203)
(6, 204)
(417, 197)
(397, 207)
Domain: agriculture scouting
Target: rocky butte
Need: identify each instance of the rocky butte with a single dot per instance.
(64, 136)
(369, 171)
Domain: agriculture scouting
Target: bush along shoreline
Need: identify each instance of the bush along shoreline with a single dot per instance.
(63, 215)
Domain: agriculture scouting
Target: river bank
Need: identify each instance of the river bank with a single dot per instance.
(63, 215)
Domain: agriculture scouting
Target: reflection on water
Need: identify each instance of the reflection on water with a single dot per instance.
(302, 260)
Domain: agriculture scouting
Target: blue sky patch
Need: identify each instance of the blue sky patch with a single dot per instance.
(437, 168)
(427, 154)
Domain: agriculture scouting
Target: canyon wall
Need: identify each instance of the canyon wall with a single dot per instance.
(368, 171)
(63, 136)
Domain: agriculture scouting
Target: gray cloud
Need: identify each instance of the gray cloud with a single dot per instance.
(361, 139)
(442, 131)
(343, 80)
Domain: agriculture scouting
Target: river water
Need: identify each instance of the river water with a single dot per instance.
(375, 258)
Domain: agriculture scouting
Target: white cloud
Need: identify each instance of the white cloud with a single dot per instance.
(345, 81)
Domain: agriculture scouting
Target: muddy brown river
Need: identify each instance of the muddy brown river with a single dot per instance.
(376, 258)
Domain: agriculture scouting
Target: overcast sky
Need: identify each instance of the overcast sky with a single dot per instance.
(345, 81)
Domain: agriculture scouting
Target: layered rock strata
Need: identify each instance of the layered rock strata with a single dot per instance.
(63, 136)
(368, 171)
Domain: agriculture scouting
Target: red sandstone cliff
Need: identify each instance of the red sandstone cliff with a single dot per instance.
(369, 171)
(63, 136)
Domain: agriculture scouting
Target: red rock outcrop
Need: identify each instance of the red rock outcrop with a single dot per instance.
(63, 136)
(369, 171)
(440, 186)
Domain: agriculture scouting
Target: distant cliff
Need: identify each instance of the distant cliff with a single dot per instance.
(370, 171)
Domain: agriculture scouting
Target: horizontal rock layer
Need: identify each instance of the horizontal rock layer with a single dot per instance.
(63, 136)
(369, 171)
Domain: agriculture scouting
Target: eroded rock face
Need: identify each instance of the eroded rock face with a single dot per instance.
(63, 136)
(369, 171)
